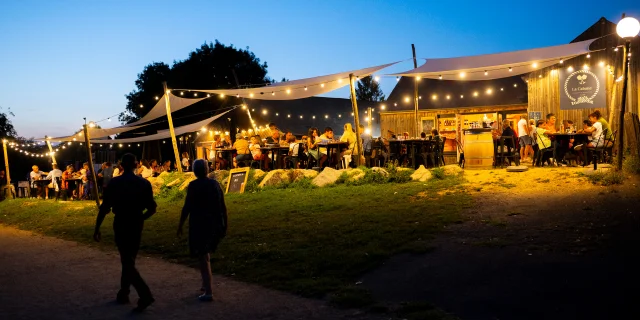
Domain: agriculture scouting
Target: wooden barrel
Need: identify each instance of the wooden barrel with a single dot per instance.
(478, 149)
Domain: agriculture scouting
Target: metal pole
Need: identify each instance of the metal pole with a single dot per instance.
(354, 104)
(415, 92)
(370, 112)
(625, 70)
(173, 134)
(91, 168)
(6, 161)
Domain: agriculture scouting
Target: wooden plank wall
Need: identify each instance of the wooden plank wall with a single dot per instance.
(404, 121)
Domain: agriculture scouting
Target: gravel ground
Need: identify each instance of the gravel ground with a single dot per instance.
(48, 278)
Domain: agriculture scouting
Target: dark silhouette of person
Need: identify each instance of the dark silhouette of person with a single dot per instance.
(128, 196)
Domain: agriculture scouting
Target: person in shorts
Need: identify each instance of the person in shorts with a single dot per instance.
(524, 138)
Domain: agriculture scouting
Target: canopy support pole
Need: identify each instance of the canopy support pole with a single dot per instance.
(6, 161)
(623, 101)
(415, 92)
(173, 133)
(91, 168)
(354, 104)
(53, 157)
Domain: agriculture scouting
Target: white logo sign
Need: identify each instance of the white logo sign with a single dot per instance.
(581, 87)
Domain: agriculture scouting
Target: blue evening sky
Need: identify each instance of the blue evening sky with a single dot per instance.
(61, 61)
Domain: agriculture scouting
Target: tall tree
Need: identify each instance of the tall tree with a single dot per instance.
(207, 67)
(6, 127)
(368, 89)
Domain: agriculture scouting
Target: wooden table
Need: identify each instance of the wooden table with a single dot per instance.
(273, 150)
(578, 139)
(412, 145)
(228, 152)
(333, 145)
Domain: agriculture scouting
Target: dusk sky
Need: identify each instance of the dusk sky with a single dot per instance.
(61, 61)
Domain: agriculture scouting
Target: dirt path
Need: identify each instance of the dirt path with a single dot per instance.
(558, 248)
(48, 278)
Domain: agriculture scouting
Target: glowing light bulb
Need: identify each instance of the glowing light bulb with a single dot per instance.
(535, 65)
(463, 74)
(440, 77)
(322, 85)
(448, 97)
(221, 95)
(377, 79)
(570, 68)
(305, 88)
(434, 97)
(382, 107)
(486, 73)
(475, 94)
(288, 91)
(561, 61)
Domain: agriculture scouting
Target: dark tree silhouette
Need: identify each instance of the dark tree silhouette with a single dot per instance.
(6, 127)
(208, 67)
(368, 89)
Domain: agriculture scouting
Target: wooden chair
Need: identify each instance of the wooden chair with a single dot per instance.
(597, 152)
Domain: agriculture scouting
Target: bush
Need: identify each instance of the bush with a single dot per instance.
(438, 173)
(631, 164)
(606, 178)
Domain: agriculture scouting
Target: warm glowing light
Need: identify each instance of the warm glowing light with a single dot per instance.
(448, 97)
(616, 49)
(120, 145)
(352, 114)
(462, 96)
(406, 99)
(305, 88)
(570, 68)
(277, 114)
(440, 77)
(203, 129)
(585, 67)
(601, 63)
(195, 94)
(475, 94)
(92, 124)
(339, 80)
(208, 95)
(326, 116)
(300, 116)
(510, 69)
(322, 85)
(288, 91)
(366, 119)
(251, 95)
(182, 93)
(515, 85)
(588, 55)
(418, 78)
(377, 79)
(462, 74)
(221, 95)
(273, 93)
(288, 116)
(419, 97)
(367, 131)
(486, 73)
(489, 91)
(535, 65)
(501, 89)
(382, 107)
(395, 104)
(434, 97)
(264, 111)
(397, 78)
(561, 61)
(313, 117)
(244, 107)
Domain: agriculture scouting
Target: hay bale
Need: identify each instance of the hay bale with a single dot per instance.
(308, 173)
(163, 173)
(381, 171)
(421, 174)
(274, 177)
(452, 170)
(327, 176)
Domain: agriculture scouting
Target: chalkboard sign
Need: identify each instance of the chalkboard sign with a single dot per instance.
(237, 180)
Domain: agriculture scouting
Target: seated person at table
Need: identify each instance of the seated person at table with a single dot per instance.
(294, 148)
(597, 138)
(53, 175)
(254, 147)
(145, 169)
(157, 169)
(313, 150)
(507, 131)
(166, 166)
(423, 135)
(327, 136)
(226, 143)
(550, 124)
(435, 134)
(542, 139)
(242, 149)
(185, 161)
(118, 170)
(274, 138)
(218, 162)
(34, 176)
(350, 137)
(66, 175)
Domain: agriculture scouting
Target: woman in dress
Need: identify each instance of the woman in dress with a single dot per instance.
(204, 205)
(312, 147)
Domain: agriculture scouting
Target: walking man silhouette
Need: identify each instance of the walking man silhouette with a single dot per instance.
(128, 196)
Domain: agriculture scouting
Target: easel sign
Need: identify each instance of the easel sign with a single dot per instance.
(237, 180)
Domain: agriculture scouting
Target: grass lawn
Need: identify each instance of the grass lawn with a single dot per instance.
(311, 242)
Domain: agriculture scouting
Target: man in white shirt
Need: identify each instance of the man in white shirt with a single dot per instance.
(53, 174)
(34, 176)
(524, 138)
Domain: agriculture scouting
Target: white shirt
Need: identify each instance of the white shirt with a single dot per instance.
(35, 176)
(55, 173)
(185, 163)
(294, 148)
(522, 128)
(597, 133)
(116, 172)
(145, 172)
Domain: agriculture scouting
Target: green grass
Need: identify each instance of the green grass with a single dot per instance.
(305, 240)
(605, 178)
(631, 164)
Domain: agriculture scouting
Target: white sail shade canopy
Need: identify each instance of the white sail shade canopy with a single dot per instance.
(497, 65)
(165, 133)
(159, 110)
(297, 89)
